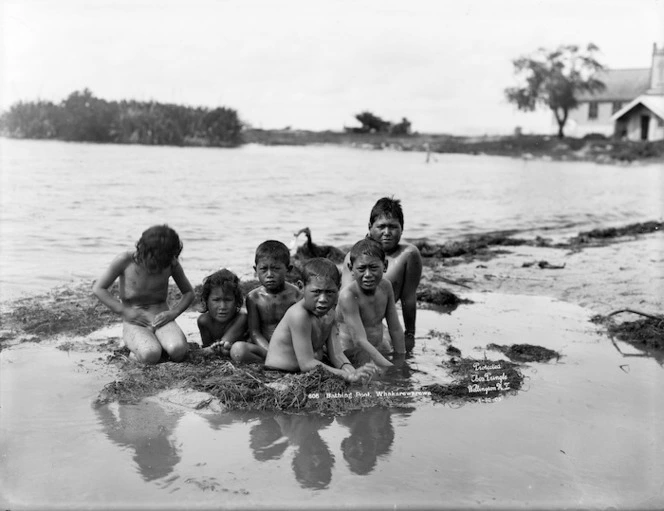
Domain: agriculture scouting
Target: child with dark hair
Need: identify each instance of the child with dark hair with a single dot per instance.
(404, 268)
(268, 303)
(149, 325)
(364, 303)
(222, 324)
(306, 330)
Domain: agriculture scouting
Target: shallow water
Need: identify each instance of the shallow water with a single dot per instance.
(69, 208)
(583, 432)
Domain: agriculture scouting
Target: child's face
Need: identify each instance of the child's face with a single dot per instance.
(386, 230)
(367, 271)
(221, 305)
(320, 295)
(271, 273)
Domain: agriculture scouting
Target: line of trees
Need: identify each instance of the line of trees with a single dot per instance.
(84, 117)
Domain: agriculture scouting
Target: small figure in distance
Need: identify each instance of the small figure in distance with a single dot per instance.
(364, 303)
(310, 326)
(404, 268)
(148, 324)
(222, 324)
(268, 303)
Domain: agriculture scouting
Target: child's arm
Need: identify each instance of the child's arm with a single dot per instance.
(350, 308)
(336, 355)
(411, 279)
(254, 322)
(393, 324)
(300, 325)
(206, 335)
(105, 281)
(187, 297)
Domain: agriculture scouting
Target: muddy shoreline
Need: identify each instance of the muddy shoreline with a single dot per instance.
(604, 270)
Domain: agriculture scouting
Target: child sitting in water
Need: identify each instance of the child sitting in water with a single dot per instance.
(405, 261)
(300, 338)
(149, 325)
(364, 303)
(267, 304)
(222, 324)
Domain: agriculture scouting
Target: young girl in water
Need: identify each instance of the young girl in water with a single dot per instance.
(221, 324)
(149, 324)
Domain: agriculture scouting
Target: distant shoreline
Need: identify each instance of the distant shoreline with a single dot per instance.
(526, 147)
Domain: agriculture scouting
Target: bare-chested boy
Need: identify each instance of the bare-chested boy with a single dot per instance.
(309, 327)
(364, 303)
(404, 268)
(149, 325)
(267, 304)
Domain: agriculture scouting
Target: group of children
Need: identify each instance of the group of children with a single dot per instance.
(288, 328)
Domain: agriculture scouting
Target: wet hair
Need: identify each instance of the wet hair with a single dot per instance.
(227, 281)
(322, 268)
(274, 249)
(160, 244)
(388, 207)
(369, 247)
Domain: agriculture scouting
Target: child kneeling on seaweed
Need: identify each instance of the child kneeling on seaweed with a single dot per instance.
(306, 330)
(364, 303)
(222, 324)
(268, 303)
(148, 324)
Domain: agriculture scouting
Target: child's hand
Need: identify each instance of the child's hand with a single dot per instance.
(136, 317)
(363, 374)
(225, 348)
(162, 319)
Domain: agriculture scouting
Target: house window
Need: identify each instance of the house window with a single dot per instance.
(592, 110)
(660, 122)
(617, 105)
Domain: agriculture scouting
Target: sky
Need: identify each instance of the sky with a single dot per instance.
(313, 64)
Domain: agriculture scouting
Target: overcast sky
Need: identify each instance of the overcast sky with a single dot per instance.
(313, 64)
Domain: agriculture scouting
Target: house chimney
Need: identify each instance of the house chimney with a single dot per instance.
(657, 71)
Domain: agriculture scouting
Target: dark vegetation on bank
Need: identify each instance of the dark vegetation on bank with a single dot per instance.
(85, 118)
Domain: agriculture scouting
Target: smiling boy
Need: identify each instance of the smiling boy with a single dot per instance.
(308, 331)
(404, 262)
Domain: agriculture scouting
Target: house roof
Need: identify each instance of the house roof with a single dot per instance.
(621, 85)
(652, 102)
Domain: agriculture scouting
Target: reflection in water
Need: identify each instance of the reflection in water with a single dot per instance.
(145, 428)
(371, 436)
(312, 462)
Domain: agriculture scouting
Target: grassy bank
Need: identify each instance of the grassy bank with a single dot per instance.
(524, 146)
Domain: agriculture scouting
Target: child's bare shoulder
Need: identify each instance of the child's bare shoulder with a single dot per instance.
(256, 293)
(204, 320)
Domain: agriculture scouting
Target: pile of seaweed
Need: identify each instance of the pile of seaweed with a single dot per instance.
(247, 387)
(483, 246)
(446, 300)
(599, 236)
(476, 380)
(646, 334)
(525, 353)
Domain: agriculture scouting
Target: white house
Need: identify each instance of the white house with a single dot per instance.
(631, 105)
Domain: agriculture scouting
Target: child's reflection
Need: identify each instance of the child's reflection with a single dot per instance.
(146, 428)
(312, 462)
(371, 436)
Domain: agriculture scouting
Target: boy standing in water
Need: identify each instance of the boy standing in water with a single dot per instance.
(148, 324)
(306, 330)
(404, 260)
(267, 304)
(364, 303)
